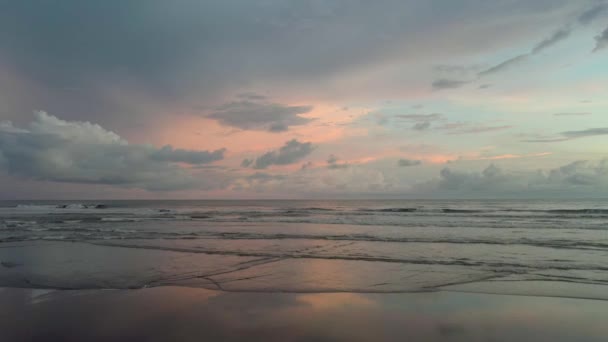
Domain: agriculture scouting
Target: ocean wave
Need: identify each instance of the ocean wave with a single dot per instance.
(77, 233)
(61, 206)
(511, 266)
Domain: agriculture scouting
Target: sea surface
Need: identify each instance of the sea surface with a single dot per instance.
(533, 247)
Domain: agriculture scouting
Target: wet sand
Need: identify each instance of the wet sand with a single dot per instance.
(190, 314)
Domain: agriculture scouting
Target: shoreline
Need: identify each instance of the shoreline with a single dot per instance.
(64, 265)
(311, 292)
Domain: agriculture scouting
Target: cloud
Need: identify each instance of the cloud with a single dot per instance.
(601, 41)
(469, 128)
(421, 117)
(252, 96)
(293, 151)
(247, 162)
(546, 43)
(421, 126)
(579, 178)
(408, 162)
(333, 163)
(572, 114)
(307, 165)
(52, 149)
(445, 83)
(422, 121)
(196, 52)
(559, 35)
(261, 177)
(260, 115)
(504, 65)
(593, 13)
(169, 154)
(569, 135)
(586, 133)
(555, 38)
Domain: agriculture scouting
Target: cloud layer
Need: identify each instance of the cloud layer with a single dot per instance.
(578, 178)
(81, 152)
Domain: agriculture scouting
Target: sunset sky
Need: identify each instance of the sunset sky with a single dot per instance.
(303, 99)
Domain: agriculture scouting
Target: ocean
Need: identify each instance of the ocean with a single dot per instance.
(552, 247)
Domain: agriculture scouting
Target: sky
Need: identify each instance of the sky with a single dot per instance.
(303, 99)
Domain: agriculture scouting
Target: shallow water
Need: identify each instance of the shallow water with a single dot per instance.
(308, 246)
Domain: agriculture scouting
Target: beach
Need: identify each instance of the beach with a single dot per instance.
(187, 314)
(304, 270)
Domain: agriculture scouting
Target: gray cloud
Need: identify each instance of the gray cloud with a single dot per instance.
(81, 152)
(252, 96)
(408, 162)
(260, 115)
(169, 154)
(80, 55)
(507, 64)
(334, 164)
(247, 162)
(265, 177)
(586, 133)
(546, 43)
(569, 135)
(293, 151)
(572, 114)
(421, 117)
(555, 38)
(306, 165)
(504, 65)
(543, 139)
(481, 129)
(445, 83)
(559, 35)
(421, 121)
(593, 13)
(579, 177)
(469, 128)
(601, 41)
(422, 126)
